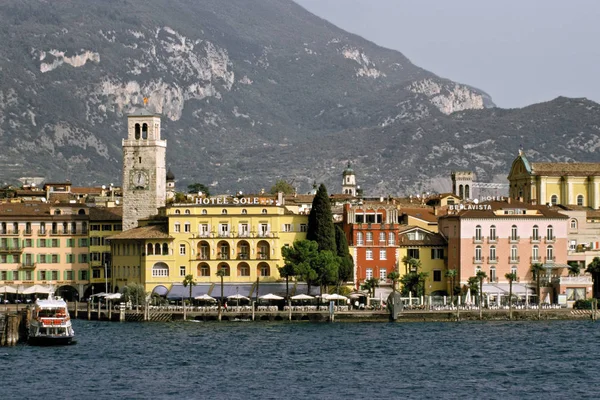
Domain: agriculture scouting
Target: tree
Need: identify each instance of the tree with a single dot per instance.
(221, 273)
(189, 281)
(346, 267)
(320, 222)
(511, 277)
(574, 268)
(369, 285)
(199, 187)
(410, 284)
(301, 257)
(282, 186)
(326, 266)
(405, 261)
(180, 198)
(394, 276)
(134, 293)
(593, 269)
(480, 275)
(451, 273)
(286, 272)
(537, 269)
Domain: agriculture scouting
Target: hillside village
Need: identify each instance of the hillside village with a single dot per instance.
(86, 240)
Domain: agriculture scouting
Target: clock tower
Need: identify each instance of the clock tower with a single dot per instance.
(144, 168)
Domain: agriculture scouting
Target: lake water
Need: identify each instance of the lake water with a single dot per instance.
(252, 360)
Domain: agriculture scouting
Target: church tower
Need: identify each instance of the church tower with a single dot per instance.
(462, 184)
(144, 168)
(349, 181)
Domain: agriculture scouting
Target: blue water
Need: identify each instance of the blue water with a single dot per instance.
(246, 360)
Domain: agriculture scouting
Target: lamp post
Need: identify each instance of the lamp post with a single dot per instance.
(106, 277)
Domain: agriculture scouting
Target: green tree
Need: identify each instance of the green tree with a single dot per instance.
(320, 222)
(180, 198)
(282, 186)
(326, 264)
(593, 269)
(574, 268)
(199, 187)
(473, 284)
(301, 257)
(189, 280)
(452, 274)
(511, 277)
(410, 284)
(481, 275)
(286, 272)
(394, 276)
(346, 267)
(422, 276)
(134, 293)
(369, 285)
(221, 273)
(537, 270)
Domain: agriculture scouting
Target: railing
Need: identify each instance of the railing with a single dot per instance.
(550, 239)
(534, 239)
(262, 256)
(585, 279)
(243, 256)
(27, 232)
(514, 260)
(11, 249)
(492, 260)
(535, 259)
(9, 232)
(477, 239)
(514, 239)
(477, 260)
(28, 265)
(42, 232)
(493, 239)
(550, 259)
(222, 256)
(203, 257)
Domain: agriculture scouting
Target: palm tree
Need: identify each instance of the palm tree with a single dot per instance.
(189, 281)
(370, 285)
(511, 277)
(593, 269)
(221, 273)
(451, 273)
(394, 276)
(405, 261)
(537, 269)
(574, 268)
(481, 275)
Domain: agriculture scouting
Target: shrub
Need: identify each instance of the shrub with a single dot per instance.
(583, 305)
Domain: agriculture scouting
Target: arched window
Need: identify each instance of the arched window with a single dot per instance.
(56, 212)
(265, 270)
(244, 211)
(42, 227)
(370, 237)
(461, 191)
(478, 232)
(478, 253)
(554, 200)
(157, 249)
(514, 253)
(204, 212)
(359, 239)
(580, 200)
(492, 253)
(177, 212)
(158, 269)
(243, 270)
(391, 239)
(492, 274)
(493, 232)
(225, 269)
(81, 212)
(549, 254)
(223, 211)
(204, 270)
(150, 250)
(137, 131)
(145, 131)
(573, 224)
(467, 192)
(187, 211)
(264, 211)
(535, 234)
(513, 270)
(513, 233)
(165, 249)
(382, 237)
(535, 253)
(550, 233)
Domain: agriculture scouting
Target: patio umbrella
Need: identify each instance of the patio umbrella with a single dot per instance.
(270, 296)
(113, 296)
(7, 289)
(38, 289)
(237, 297)
(547, 299)
(301, 297)
(335, 296)
(205, 297)
(468, 297)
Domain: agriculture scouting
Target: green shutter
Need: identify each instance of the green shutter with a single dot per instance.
(58, 258)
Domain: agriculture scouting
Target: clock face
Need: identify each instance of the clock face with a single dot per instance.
(139, 179)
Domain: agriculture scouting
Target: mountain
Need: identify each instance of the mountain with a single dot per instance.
(250, 91)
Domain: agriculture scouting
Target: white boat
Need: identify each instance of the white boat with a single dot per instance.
(50, 323)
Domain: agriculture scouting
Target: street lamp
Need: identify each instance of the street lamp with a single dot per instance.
(106, 276)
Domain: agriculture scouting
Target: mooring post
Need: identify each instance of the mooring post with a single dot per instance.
(75, 312)
(253, 308)
(89, 310)
(289, 309)
(99, 308)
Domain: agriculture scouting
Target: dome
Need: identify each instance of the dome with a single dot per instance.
(170, 176)
(348, 170)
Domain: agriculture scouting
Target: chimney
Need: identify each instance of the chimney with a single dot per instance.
(509, 200)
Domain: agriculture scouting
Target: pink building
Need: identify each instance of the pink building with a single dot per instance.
(501, 237)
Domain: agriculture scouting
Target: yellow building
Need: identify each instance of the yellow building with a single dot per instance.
(104, 222)
(430, 249)
(242, 236)
(46, 244)
(555, 183)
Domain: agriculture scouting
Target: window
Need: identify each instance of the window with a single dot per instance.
(383, 274)
(29, 276)
(204, 230)
(223, 211)
(244, 211)
(574, 294)
(493, 232)
(535, 253)
(573, 245)
(550, 253)
(303, 227)
(263, 230)
(96, 273)
(177, 212)
(243, 270)
(550, 233)
(160, 269)
(55, 243)
(204, 212)
(225, 269)
(265, 270)
(187, 212)
(492, 253)
(554, 199)
(580, 200)
(182, 270)
(287, 227)
(84, 275)
(513, 270)
(69, 275)
(513, 233)
(437, 254)
(244, 230)
(478, 232)
(369, 237)
(28, 243)
(107, 227)
(182, 249)
(382, 237)
(223, 229)
(224, 251)
(359, 239)
(382, 254)
(369, 254)
(573, 224)
(205, 270)
(391, 239)
(204, 251)
(359, 218)
(437, 275)
(492, 274)
(535, 234)
(94, 227)
(177, 227)
(369, 273)
(514, 255)
(478, 253)
(413, 253)
(187, 227)
(264, 211)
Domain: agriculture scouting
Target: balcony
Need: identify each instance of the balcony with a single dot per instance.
(493, 239)
(243, 234)
(492, 260)
(534, 239)
(550, 239)
(28, 265)
(203, 257)
(27, 232)
(535, 259)
(581, 279)
(42, 232)
(262, 256)
(264, 234)
(11, 249)
(223, 234)
(514, 239)
(243, 256)
(223, 256)
(477, 240)
(514, 260)
(9, 232)
(550, 259)
(477, 260)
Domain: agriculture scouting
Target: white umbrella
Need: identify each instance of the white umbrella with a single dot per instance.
(101, 294)
(301, 297)
(113, 296)
(335, 296)
(468, 297)
(205, 297)
(237, 297)
(38, 289)
(547, 299)
(270, 296)
(7, 289)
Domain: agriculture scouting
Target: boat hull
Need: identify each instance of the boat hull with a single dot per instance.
(49, 340)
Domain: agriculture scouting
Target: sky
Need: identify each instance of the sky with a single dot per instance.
(520, 52)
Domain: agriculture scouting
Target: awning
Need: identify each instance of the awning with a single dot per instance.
(555, 265)
(160, 290)
(179, 291)
(504, 289)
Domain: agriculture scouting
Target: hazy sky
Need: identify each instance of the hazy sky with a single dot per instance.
(519, 51)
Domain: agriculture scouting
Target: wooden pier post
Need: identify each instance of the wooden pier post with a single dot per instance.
(122, 314)
(89, 310)
(109, 310)
(76, 311)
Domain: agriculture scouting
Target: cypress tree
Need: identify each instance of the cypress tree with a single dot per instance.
(346, 268)
(320, 222)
